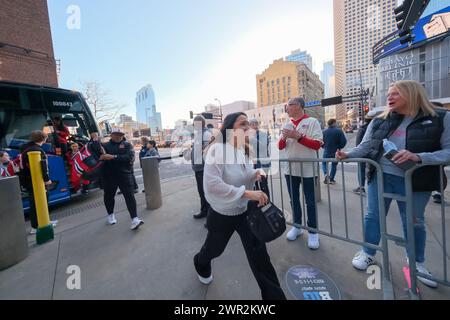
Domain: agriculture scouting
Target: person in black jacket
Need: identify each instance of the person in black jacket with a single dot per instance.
(118, 173)
(38, 138)
(334, 139)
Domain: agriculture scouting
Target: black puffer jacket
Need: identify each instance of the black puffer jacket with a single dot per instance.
(123, 164)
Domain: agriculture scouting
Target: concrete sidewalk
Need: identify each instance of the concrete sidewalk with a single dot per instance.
(156, 261)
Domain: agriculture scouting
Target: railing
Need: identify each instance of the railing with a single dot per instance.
(388, 293)
(410, 244)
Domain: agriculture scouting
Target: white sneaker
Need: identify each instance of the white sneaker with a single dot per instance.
(136, 223)
(112, 219)
(54, 223)
(294, 233)
(205, 280)
(420, 267)
(362, 260)
(33, 231)
(313, 241)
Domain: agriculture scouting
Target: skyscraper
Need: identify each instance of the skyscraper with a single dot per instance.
(358, 25)
(301, 56)
(146, 109)
(327, 77)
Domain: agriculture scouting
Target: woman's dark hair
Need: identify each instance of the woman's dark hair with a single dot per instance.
(60, 125)
(228, 124)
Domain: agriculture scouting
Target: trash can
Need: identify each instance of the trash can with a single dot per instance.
(13, 236)
(152, 183)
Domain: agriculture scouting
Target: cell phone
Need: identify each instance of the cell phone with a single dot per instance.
(405, 165)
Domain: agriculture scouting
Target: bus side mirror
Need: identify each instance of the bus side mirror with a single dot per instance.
(108, 128)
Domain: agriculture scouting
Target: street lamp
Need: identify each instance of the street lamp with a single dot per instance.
(361, 90)
(220, 104)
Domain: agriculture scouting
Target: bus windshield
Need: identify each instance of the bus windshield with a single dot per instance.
(23, 110)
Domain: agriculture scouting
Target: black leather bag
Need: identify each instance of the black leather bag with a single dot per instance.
(267, 223)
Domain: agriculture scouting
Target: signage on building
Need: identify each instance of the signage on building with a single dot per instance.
(309, 283)
(429, 28)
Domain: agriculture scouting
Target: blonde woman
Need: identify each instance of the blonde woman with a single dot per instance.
(421, 133)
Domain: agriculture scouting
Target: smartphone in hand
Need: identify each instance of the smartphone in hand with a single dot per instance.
(405, 165)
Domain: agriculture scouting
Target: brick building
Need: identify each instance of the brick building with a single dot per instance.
(26, 48)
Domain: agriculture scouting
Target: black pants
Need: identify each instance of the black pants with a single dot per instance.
(220, 230)
(125, 183)
(204, 204)
(33, 214)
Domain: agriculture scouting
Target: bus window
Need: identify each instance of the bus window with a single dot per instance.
(20, 98)
(17, 127)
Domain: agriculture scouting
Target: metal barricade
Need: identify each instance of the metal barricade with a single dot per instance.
(388, 292)
(410, 244)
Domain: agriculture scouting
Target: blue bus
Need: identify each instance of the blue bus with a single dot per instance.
(25, 108)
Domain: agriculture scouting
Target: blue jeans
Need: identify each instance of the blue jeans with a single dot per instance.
(396, 185)
(293, 185)
(362, 174)
(333, 165)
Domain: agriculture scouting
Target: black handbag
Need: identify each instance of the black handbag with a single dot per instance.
(267, 223)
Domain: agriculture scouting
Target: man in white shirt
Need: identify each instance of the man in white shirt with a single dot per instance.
(301, 138)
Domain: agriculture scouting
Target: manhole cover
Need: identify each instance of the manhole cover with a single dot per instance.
(309, 283)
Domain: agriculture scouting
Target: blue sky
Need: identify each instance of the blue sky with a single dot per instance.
(191, 51)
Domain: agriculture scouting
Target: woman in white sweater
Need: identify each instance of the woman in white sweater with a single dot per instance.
(228, 182)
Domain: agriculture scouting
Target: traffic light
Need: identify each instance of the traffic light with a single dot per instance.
(366, 109)
(191, 114)
(401, 13)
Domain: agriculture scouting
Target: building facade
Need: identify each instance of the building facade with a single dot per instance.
(358, 25)
(428, 64)
(237, 106)
(283, 80)
(301, 56)
(328, 79)
(146, 109)
(26, 47)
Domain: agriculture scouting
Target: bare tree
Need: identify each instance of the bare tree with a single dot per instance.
(100, 102)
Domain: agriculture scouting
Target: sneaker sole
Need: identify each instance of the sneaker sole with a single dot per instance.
(205, 281)
(428, 283)
(137, 227)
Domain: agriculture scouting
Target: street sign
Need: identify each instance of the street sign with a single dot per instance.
(311, 104)
(332, 101)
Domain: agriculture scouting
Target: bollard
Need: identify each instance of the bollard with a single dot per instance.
(152, 184)
(45, 230)
(13, 237)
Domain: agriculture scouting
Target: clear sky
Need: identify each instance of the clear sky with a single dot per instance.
(191, 51)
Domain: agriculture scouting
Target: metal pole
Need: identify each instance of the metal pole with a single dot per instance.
(45, 230)
(152, 183)
(13, 239)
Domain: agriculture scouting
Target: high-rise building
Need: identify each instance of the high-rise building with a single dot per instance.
(26, 47)
(146, 109)
(301, 56)
(327, 77)
(358, 25)
(283, 80)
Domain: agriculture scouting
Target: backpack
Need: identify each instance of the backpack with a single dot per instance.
(86, 164)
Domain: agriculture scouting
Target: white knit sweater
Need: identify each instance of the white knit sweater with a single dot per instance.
(228, 173)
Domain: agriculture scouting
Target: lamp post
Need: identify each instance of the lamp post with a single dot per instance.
(220, 106)
(361, 91)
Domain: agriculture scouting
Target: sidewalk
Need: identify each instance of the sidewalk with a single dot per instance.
(156, 261)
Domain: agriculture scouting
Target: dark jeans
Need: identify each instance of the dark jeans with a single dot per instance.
(204, 204)
(220, 230)
(293, 184)
(362, 174)
(333, 165)
(125, 183)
